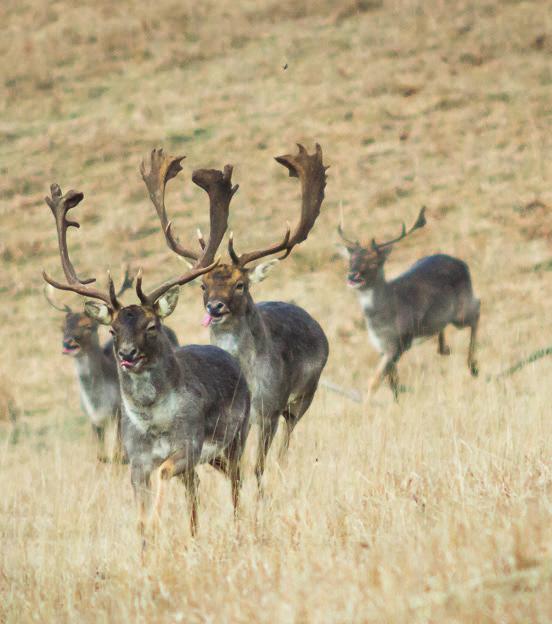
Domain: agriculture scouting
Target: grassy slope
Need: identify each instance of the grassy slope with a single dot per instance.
(384, 509)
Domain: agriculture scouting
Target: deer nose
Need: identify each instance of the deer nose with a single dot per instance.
(129, 354)
(216, 308)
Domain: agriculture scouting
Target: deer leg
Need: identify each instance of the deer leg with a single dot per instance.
(267, 429)
(191, 481)
(292, 415)
(234, 472)
(100, 435)
(472, 361)
(231, 468)
(380, 372)
(164, 473)
(119, 455)
(180, 465)
(141, 484)
(443, 349)
(472, 321)
(393, 378)
(290, 422)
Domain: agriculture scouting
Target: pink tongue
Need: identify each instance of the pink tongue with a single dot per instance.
(206, 321)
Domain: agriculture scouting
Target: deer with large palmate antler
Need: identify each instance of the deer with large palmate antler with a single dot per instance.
(282, 350)
(182, 406)
(420, 303)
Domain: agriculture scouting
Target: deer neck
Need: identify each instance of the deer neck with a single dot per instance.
(153, 397)
(160, 377)
(90, 363)
(244, 335)
(371, 297)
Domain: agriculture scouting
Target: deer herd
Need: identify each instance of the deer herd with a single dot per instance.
(175, 407)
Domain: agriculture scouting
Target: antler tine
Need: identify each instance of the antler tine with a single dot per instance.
(128, 280)
(247, 257)
(177, 281)
(60, 204)
(311, 171)
(162, 169)
(419, 223)
(46, 291)
(218, 185)
(346, 240)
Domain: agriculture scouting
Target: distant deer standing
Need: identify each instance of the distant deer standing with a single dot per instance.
(183, 406)
(419, 303)
(96, 370)
(282, 350)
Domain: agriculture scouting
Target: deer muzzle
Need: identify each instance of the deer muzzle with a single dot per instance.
(130, 359)
(70, 347)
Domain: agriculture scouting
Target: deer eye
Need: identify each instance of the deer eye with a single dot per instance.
(239, 286)
(203, 287)
(112, 331)
(151, 327)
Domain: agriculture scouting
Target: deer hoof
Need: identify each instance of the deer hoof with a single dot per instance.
(474, 369)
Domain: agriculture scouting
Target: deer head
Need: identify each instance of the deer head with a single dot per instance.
(136, 328)
(366, 261)
(226, 288)
(80, 332)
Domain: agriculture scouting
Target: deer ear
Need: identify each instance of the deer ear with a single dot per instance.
(261, 271)
(99, 312)
(166, 304)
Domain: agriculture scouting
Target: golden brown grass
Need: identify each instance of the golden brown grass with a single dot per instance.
(437, 509)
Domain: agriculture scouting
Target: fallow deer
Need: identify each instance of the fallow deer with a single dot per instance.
(182, 406)
(419, 303)
(282, 350)
(96, 369)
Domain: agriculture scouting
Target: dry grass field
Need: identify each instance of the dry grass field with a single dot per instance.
(436, 509)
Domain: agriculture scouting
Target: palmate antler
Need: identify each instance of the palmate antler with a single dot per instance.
(216, 183)
(60, 204)
(311, 171)
(218, 186)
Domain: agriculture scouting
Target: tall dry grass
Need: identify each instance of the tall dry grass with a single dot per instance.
(436, 509)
